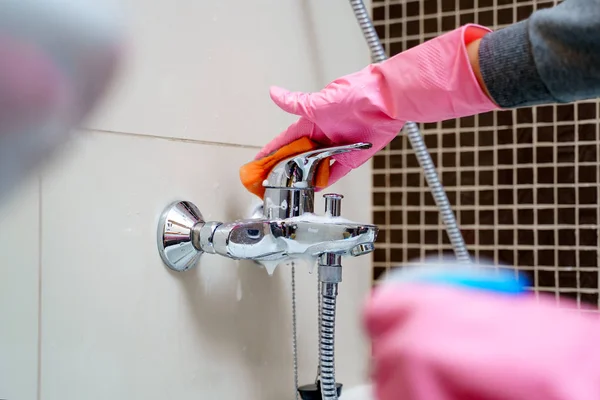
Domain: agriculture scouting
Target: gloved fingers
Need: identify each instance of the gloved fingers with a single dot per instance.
(379, 136)
(336, 172)
(276, 143)
(298, 129)
(297, 103)
(288, 101)
(346, 162)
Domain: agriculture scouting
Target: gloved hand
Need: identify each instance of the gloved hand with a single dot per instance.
(431, 82)
(467, 334)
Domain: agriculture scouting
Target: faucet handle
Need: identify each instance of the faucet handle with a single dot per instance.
(299, 171)
(321, 154)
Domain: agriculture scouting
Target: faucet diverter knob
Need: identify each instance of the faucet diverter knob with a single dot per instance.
(333, 204)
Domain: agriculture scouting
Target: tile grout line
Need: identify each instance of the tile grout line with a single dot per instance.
(171, 139)
(526, 148)
(39, 327)
(597, 202)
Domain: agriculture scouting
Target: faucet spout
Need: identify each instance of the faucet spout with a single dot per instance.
(277, 240)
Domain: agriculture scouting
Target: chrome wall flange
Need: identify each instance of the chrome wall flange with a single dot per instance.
(175, 235)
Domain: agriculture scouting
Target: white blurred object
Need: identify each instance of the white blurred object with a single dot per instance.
(56, 59)
(363, 392)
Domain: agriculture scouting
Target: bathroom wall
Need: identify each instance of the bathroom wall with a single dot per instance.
(523, 183)
(87, 310)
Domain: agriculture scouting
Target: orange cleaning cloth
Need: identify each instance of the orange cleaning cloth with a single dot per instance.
(254, 173)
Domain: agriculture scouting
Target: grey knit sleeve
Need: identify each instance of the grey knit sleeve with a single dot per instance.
(552, 57)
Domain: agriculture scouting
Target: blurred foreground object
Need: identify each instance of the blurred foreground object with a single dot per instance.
(56, 59)
(449, 332)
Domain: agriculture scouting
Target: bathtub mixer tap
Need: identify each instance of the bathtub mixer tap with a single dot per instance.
(287, 230)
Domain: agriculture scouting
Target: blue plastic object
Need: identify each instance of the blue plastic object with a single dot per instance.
(471, 277)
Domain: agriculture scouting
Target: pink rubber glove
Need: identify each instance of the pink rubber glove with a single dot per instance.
(438, 341)
(431, 82)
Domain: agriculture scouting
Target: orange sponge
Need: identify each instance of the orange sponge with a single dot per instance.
(254, 173)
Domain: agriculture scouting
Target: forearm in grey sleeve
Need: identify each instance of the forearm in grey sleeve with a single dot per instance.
(552, 57)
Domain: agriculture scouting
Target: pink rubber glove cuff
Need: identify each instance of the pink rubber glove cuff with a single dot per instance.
(435, 81)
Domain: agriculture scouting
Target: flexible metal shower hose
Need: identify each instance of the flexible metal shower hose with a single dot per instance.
(417, 143)
(327, 341)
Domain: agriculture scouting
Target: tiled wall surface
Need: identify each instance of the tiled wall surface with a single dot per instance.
(524, 183)
(19, 292)
(87, 310)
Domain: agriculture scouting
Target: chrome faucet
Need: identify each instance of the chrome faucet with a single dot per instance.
(288, 228)
(290, 187)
